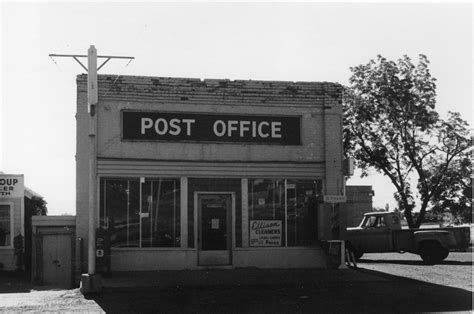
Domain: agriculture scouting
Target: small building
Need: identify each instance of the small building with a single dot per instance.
(12, 215)
(359, 202)
(210, 173)
(53, 251)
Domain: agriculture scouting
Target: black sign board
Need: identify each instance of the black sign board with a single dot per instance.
(199, 127)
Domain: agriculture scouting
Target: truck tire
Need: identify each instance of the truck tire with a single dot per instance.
(432, 252)
(358, 254)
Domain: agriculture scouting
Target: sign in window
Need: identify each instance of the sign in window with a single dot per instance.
(265, 232)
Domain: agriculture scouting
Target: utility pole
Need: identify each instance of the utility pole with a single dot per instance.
(90, 282)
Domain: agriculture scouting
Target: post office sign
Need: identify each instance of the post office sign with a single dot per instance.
(204, 127)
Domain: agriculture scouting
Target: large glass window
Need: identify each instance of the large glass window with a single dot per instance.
(283, 212)
(302, 211)
(5, 225)
(142, 214)
(266, 212)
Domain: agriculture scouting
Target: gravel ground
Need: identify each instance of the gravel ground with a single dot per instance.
(454, 271)
(55, 301)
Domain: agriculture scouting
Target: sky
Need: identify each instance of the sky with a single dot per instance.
(264, 41)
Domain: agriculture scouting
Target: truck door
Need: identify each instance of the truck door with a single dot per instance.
(375, 235)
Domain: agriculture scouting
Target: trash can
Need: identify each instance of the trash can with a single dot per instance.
(335, 254)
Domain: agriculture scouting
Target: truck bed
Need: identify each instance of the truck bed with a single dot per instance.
(403, 240)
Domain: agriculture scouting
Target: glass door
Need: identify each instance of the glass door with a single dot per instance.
(214, 239)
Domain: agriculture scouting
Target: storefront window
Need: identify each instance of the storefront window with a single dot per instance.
(159, 225)
(283, 212)
(302, 211)
(5, 225)
(266, 212)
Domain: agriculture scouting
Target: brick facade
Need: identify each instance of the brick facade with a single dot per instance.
(319, 156)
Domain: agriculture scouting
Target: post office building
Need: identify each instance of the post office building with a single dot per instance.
(197, 173)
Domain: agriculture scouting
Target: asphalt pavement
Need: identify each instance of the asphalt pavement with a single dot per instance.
(385, 283)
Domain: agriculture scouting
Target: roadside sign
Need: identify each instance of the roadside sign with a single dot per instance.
(12, 186)
(334, 198)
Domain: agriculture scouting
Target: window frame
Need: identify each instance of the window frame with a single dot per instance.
(136, 178)
(285, 222)
(11, 225)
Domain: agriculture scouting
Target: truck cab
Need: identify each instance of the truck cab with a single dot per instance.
(373, 235)
(385, 220)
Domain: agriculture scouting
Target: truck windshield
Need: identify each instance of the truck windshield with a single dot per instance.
(374, 222)
(369, 221)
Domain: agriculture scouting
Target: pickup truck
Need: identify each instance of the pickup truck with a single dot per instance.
(382, 232)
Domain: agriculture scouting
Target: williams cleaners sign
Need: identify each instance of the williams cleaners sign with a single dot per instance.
(198, 127)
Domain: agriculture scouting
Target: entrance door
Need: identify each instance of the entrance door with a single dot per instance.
(57, 260)
(214, 239)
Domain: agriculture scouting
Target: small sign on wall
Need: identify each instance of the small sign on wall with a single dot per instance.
(265, 232)
(334, 199)
(12, 185)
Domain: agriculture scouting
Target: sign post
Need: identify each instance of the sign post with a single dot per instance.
(334, 199)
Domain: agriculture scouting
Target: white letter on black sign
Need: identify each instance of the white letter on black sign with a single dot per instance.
(232, 126)
(260, 133)
(222, 131)
(276, 129)
(146, 124)
(157, 126)
(244, 126)
(188, 125)
(175, 129)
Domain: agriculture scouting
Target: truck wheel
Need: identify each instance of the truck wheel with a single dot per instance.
(358, 254)
(432, 252)
(444, 254)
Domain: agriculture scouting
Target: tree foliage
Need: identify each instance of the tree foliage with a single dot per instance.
(456, 197)
(390, 124)
(36, 206)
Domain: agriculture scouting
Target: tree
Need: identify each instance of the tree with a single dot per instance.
(390, 124)
(36, 206)
(456, 195)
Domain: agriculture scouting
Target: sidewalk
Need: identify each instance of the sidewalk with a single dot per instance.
(208, 278)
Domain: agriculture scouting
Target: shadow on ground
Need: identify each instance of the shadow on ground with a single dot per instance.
(19, 282)
(14, 282)
(395, 294)
(405, 262)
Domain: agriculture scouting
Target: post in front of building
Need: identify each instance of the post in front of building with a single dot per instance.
(90, 282)
(92, 102)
